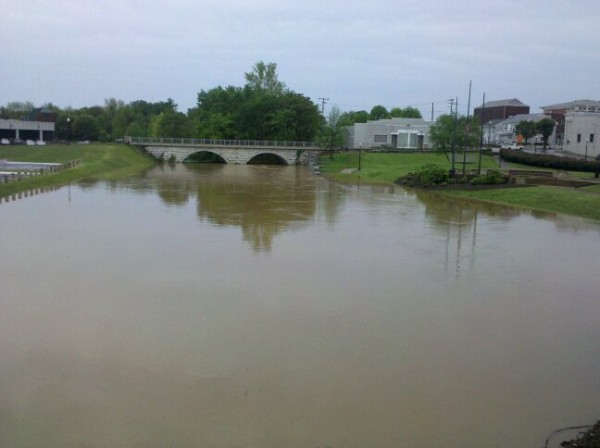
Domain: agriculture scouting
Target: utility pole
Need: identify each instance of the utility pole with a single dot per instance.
(467, 131)
(453, 170)
(323, 101)
(481, 134)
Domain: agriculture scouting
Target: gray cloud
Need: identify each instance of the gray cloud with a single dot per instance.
(395, 53)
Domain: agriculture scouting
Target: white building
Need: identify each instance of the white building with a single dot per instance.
(503, 131)
(23, 129)
(581, 133)
(396, 133)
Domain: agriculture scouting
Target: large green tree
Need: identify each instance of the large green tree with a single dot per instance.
(85, 127)
(261, 110)
(263, 77)
(450, 132)
(378, 112)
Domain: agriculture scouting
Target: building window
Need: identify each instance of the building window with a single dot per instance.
(591, 138)
(578, 138)
(378, 138)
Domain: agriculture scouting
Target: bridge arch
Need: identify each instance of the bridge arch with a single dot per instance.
(204, 156)
(267, 158)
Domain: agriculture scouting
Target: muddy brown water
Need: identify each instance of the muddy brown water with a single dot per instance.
(254, 306)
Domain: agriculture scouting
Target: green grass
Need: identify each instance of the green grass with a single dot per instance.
(387, 167)
(99, 161)
(377, 167)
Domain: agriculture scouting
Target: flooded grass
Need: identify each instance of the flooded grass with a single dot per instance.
(583, 202)
(570, 201)
(104, 161)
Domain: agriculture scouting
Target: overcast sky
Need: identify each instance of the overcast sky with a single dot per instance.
(356, 53)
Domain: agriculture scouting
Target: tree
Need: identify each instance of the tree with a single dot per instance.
(449, 131)
(332, 133)
(378, 112)
(545, 127)
(251, 114)
(16, 110)
(170, 124)
(352, 117)
(85, 127)
(263, 77)
(407, 112)
(527, 129)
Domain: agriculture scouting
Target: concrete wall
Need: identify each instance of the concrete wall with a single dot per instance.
(581, 130)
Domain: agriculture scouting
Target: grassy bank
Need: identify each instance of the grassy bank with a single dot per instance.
(389, 167)
(99, 161)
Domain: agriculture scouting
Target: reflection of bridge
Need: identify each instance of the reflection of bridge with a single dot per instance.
(231, 151)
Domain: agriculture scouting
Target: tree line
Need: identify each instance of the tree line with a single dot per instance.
(262, 109)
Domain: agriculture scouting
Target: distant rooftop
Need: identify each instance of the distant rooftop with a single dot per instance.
(503, 103)
(525, 117)
(576, 104)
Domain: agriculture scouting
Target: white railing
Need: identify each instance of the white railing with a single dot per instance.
(215, 142)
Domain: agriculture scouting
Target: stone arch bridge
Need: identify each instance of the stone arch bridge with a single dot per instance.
(230, 151)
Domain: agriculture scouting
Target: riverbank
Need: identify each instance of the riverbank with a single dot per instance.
(583, 202)
(588, 439)
(99, 161)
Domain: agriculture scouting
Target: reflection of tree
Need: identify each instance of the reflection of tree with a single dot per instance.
(262, 200)
(441, 210)
(456, 219)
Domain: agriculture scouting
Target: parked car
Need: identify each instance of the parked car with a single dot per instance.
(513, 146)
(29, 142)
(5, 141)
(40, 142)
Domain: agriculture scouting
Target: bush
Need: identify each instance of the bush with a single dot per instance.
(431, 174)
(548, 161)
(492, 177)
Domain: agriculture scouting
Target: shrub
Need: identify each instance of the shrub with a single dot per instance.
(431, 174)
(492, 177)
(548, 161)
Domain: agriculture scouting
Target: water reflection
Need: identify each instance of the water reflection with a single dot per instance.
(261, 200)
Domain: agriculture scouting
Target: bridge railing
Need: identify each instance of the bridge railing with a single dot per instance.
(216, 142)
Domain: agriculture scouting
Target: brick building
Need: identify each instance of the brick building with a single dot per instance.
(497, 110)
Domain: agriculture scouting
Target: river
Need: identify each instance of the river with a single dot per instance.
(262, 306)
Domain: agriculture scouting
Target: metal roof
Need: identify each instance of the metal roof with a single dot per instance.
(573, 104)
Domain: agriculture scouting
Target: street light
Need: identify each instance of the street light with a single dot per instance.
(69, 134)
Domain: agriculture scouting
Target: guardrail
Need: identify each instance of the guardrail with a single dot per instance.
(216, 142)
